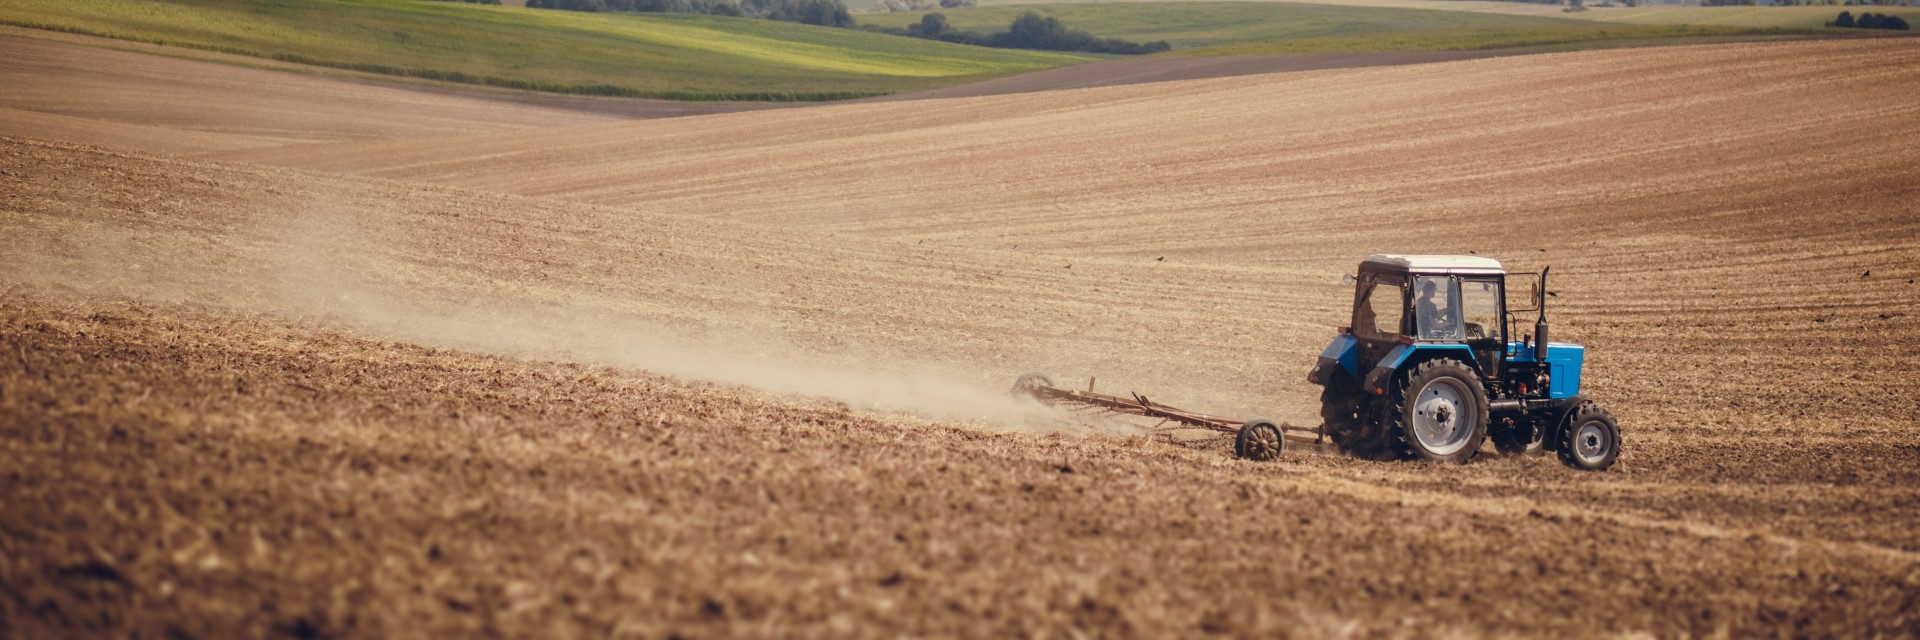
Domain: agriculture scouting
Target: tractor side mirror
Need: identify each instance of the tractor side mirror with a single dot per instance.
(1347, 279)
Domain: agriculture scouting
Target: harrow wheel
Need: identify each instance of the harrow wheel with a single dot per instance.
(1260, 440)
(1028, 384)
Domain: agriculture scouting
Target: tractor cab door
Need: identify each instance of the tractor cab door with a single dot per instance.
(1463, 310)
(1436, 310)
(1482, 304)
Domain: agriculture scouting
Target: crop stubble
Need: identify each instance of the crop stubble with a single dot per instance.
(229, 406)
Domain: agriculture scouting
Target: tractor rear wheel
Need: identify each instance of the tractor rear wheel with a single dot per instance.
(1439, 410)
(1340, 405)
(1353, 423)
(1592, 439)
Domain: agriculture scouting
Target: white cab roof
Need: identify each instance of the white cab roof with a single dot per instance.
(1438, 264)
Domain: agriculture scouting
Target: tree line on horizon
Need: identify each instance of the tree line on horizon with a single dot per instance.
(893, 6)
(1029, 31)
(1870, 21)
(826, 13)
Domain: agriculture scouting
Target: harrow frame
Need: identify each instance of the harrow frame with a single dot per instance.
(1040, 387)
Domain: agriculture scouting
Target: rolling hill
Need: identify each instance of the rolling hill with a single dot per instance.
(744, 374)
(672, 56)
(1247, 28)
(1790, 17)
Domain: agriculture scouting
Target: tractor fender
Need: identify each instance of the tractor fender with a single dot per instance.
(1341, 357)
(1382, 374)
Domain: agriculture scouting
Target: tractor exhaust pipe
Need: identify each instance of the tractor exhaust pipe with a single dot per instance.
(1540, 326)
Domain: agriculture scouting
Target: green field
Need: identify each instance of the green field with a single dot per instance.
(648, 55)
(1738, 16)
(1441, 5)
(1785, 17)
(1237, 28)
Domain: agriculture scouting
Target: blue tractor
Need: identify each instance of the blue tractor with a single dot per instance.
(1430, 367)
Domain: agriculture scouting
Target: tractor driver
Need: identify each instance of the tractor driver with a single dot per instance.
(1435, 317)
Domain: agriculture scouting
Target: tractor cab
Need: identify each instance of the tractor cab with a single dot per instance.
(1431, 302)
(1431, 365)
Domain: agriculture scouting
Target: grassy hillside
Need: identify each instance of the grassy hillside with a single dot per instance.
(1231, 28)
(859, 6)
(1447, 5)
(661, 56)
(1759, 17)
(1738, 16)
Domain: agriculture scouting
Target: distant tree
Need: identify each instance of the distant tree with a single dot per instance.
(1034, 31)
(957, 4)
(1867, 21)
(826, 13)
(1895, 23)
(1029, 31)
(830, 13)
(932, 25)
(1845, 19)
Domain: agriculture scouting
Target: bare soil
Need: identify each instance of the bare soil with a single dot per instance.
(739, 375)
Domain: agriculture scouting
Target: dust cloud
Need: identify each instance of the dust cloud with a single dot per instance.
(316, 265)
(590, 336)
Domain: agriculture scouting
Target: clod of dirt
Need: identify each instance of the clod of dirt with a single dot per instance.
(92, 570)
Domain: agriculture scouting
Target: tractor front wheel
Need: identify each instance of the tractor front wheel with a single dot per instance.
(1592, 439)
(1439, 410)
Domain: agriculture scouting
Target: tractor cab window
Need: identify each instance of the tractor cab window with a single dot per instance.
(1436, 310)
(1378, 305)
(1480, 308)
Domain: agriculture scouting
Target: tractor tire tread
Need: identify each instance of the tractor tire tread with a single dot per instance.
(1587, 412)
(1395, 415)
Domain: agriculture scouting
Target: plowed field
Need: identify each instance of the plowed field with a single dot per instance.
(741, 374)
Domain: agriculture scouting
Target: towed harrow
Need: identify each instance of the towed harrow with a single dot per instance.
(1254, 438)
